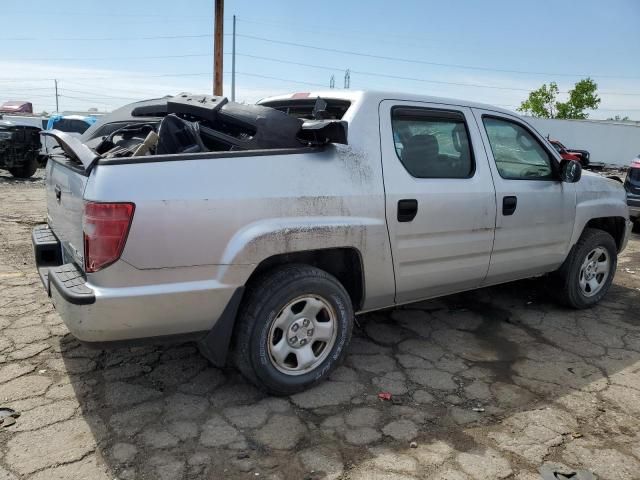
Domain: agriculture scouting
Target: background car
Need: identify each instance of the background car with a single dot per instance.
(571, 153)
(75, 125)
(14, 107)
(632, 186)
(19, 148)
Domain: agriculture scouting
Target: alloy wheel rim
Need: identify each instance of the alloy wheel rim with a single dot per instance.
(302, 335)
(594, 271)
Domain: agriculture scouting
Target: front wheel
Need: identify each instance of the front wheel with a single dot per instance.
(587, 273)
(293, 329)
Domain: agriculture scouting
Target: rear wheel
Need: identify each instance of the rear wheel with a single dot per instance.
(293, 329)
(587, 273)
(26, 170)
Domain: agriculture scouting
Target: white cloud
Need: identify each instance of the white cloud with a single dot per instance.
(82, 88)
(106, 89)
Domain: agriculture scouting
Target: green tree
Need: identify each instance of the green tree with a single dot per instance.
(543, 101)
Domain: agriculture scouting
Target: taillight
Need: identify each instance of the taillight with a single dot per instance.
(105, 227)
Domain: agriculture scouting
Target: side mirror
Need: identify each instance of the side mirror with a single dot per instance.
(570, 171)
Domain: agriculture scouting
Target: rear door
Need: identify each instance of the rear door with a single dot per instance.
(536, 210)
(440, 200)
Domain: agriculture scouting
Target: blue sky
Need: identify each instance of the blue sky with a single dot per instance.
(94, 48)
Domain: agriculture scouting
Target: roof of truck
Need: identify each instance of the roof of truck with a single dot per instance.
(149, 113)
(378, 96)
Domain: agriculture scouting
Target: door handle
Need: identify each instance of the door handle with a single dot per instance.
(58, 192)
(407, 209)
(509, 205)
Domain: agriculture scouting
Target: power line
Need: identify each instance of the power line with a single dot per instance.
(423, 62)
(119, 57)
(97, 94)
(373, 74)
(92, 100)
(33, 89)
(106, 39)
(400, 77)
(246, 74)
(102, 87)
(21, 94)
(359, 72)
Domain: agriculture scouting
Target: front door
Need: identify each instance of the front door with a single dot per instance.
(440, 200)
(535, 209)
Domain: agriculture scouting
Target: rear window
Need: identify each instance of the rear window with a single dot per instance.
(108, 128)
(71, 125)
(303, 108)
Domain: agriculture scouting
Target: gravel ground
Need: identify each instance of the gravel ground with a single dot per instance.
(489, 384)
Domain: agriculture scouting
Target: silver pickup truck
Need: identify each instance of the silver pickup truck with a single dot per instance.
(260, 230)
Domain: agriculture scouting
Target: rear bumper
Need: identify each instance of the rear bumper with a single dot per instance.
(94, 313)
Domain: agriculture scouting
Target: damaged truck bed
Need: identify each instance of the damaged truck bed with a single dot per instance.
(186, 124)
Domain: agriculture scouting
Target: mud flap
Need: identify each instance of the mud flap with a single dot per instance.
(215, 344)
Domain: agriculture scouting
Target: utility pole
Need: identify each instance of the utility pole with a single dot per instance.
(218, 35)
(347, 78)
(56, 84)
(233, 62)
(332, 82)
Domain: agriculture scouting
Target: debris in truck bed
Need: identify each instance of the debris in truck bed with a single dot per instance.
(201, 123)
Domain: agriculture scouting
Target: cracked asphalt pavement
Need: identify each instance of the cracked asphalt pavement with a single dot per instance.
(485, 385)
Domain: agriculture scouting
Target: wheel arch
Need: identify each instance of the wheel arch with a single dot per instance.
(614, 226)
(344, 263)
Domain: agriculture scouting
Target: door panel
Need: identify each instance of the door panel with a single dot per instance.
(445, 245)
(534, 237)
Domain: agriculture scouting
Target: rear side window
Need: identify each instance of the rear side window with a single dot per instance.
(432, 143)
(303, 108)
(517, 153)
(71, 125)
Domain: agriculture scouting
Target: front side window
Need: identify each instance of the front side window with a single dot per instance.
(432, 143)
(517, 153)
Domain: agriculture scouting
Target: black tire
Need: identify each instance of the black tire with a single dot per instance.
(567, 286)
(636, 226)
(264, 300)
(27, 170)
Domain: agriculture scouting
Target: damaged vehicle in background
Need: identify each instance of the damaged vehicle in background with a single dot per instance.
(632, 186)
(73, 124)
(20, 148)
(582, 156)
(262, 229)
